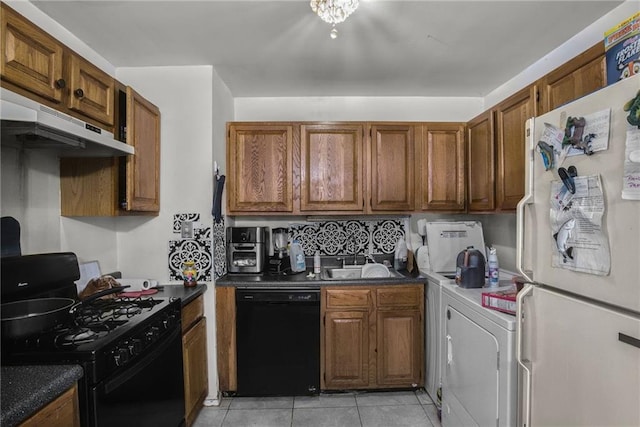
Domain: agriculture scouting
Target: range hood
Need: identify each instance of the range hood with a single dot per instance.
(31, 125)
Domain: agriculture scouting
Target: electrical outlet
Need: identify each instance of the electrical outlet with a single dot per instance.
(186, 230)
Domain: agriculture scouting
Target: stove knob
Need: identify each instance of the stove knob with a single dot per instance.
(152, 334)
(121, 356)
(169, 321)
(136, 346)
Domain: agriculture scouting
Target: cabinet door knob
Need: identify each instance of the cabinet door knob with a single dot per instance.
(79, 93)
(60, 84)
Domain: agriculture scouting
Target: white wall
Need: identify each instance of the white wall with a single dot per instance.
(579, 43)
(31, 194)
(355, 108)
(184, 97)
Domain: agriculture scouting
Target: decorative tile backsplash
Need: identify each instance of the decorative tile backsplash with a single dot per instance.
(346, 237)
(197, 249)
(219, 249)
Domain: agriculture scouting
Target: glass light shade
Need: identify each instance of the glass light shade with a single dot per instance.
(334, 11)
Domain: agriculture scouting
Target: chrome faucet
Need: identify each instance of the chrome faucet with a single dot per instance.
(352, 238)
(369, 257)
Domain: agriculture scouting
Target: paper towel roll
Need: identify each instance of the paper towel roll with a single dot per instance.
(138, 284)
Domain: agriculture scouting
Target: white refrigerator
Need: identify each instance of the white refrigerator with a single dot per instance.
(578, 319)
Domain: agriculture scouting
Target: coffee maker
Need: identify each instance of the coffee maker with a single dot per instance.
(279, 263)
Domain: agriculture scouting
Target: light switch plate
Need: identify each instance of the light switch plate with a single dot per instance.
(186, 229)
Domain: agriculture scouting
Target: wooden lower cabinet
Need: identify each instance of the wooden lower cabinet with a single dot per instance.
(372, 337)
(226, 338)
(346, 355)
(194, 358)
(399, 352)
(62, 412)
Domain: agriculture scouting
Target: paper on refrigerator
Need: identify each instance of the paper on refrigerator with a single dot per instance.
(631, 176)
(579, 242)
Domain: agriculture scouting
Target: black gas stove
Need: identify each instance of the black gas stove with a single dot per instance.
(129, 348)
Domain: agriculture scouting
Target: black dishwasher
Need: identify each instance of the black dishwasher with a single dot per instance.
(278, 342)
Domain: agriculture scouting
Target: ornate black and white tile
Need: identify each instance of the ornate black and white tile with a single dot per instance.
(195, 250)
(179, 218)
(202, 234)
(348, 237)
(385, 236)
(219, 249)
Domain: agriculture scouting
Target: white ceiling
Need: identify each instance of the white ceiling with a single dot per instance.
(280, 48)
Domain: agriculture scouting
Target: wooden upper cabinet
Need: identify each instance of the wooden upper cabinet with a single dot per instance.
(259, 158)
(113, 186)
(392, 166)
(143, 168)
(91, 90)
(31, 58)
(579, 76)
(511, 116)
(331, 167)
(480, 171)
(441, 167)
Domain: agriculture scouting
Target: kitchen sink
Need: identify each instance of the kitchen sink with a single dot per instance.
(358, 272)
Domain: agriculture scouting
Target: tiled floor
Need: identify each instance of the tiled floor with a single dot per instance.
(371, 409)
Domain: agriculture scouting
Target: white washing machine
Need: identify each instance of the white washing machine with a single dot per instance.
(433, 334)
(478, 361)
(445, 239)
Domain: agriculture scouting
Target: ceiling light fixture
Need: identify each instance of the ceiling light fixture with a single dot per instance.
(334, 11)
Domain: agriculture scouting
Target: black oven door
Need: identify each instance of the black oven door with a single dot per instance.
(148, 393)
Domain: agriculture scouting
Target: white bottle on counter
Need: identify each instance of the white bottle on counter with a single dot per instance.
(494, 268)
(316, 263)
(298, 262)
(400, 256)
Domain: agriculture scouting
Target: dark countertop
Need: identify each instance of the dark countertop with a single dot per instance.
(26, 389)
(179, 291)
(302, 280)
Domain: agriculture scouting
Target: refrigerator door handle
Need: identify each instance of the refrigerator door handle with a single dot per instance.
(449, 350)
(628, 339)
(525, 402)
(527, 199)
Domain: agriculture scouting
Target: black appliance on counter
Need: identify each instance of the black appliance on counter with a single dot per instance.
(129, 348)
(247, 249)
(278, 352)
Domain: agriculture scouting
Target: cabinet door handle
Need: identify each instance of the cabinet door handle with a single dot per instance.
(60, 84)
(627, 339)
(79, 93)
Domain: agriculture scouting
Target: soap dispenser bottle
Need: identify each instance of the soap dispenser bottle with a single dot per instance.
(400, 256)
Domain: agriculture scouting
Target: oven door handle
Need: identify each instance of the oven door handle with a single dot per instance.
(139, 365)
